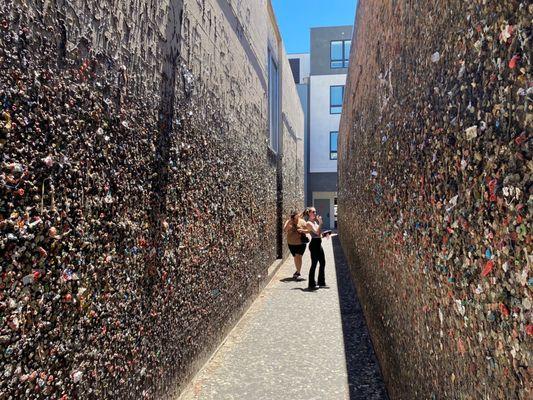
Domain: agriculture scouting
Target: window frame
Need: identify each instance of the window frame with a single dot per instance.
(345, 61)
(330, 149)
(336, 60)
(273, 109)
(331, 106)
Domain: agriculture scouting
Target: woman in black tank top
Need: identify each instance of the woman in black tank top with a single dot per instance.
(314, 226)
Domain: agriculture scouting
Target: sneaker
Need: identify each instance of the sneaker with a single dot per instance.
(296, 276)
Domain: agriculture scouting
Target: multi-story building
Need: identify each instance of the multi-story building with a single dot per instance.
(320, 77)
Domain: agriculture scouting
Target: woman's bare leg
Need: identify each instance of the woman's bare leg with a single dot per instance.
(298, 262)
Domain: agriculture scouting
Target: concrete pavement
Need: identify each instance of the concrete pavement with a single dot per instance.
(296, 345)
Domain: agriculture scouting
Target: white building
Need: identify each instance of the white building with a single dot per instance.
(320, 77)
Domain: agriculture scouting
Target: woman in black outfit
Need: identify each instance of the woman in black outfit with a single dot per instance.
(314, 227)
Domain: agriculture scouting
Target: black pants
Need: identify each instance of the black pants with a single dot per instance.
(317, 256)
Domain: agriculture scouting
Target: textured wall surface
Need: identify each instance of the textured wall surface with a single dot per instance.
(134, 181)
(435, 193)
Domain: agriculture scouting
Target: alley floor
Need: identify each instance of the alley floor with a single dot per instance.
(295, 344)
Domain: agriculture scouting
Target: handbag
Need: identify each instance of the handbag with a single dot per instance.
(304, 238)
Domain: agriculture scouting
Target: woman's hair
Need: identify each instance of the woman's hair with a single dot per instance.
(294, 213)
(307, 210)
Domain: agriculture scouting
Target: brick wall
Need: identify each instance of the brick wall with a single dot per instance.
(435, 194)
(135, 176)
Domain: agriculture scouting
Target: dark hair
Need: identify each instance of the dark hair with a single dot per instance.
(294, 213)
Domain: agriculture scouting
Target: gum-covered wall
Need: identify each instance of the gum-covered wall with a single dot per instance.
(435, 193)
(138, 194)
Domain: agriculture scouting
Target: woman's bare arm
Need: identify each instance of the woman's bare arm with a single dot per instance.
(303, 229)
(287, 227)
(311, 228)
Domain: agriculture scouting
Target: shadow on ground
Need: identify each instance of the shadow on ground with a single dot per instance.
(291, 279)
(364, 375)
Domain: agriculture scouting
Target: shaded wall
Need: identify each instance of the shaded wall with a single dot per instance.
(293, 146)
(134, 178)
(435, 193)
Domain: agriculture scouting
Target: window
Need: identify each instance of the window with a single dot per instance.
(295, 68)
(337, 56)
(336, 94)
(273, 103)
(347, 48)
(340, 53)
(333, 137)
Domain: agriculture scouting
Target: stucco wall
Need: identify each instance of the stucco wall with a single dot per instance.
(134, 179)
(293, 145)
(322, 122)
(435, 194)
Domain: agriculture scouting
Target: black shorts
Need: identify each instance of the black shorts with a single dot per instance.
(297, 249)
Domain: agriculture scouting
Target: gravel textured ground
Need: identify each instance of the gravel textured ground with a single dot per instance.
(294, 344)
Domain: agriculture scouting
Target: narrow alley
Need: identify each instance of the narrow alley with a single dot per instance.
(296, 344)
(154, 153)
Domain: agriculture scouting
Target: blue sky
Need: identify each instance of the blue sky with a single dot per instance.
(295, 17)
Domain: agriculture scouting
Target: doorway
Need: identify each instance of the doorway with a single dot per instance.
(322, 208)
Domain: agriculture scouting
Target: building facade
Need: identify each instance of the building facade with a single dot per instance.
(320, 78)
(301, 67)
